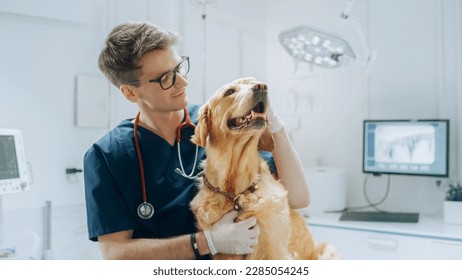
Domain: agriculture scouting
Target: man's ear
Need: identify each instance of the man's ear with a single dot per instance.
(202, 131)
(127, 91)
(266, 142)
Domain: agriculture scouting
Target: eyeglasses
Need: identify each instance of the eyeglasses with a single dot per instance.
(168, 79)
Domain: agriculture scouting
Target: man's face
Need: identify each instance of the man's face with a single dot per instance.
(151, 95)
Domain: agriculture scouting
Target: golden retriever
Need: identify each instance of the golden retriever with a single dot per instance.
(232, 127)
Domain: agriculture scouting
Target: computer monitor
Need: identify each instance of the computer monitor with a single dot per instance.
(407, 147)
(13, 169)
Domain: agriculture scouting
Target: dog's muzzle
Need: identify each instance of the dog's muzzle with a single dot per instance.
(255, 117)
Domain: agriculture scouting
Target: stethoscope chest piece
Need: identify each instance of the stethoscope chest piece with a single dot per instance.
(145, 210)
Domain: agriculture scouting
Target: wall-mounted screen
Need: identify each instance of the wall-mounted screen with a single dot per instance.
(407, 147)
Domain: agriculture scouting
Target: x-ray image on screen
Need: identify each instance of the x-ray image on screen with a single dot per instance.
(405, 144)
(406, 147)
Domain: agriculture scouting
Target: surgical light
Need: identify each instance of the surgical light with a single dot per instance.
(306, 44)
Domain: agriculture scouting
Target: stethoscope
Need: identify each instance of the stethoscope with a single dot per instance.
(145, 209)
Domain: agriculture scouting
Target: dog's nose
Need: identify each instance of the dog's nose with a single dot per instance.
(260, 87)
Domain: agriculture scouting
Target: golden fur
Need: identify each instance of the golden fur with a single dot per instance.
(233, 164)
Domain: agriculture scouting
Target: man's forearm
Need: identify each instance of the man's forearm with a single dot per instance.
(175, 248)
(290, 170)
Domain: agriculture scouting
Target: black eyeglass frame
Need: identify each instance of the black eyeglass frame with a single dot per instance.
(174, 71)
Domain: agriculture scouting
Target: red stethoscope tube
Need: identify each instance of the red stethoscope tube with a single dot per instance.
(145, 209)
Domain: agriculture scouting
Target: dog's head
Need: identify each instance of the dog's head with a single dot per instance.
(236, 109)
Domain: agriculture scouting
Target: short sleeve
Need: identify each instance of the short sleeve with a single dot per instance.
(268, 157)
(106, 210)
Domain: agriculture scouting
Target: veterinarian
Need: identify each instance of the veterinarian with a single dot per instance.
(139, 177)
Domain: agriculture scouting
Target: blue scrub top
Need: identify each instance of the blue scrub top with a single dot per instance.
(113, 189)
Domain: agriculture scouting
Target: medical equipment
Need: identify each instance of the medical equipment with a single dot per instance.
(203, 4)
(406, 147)
(47, 250)
(307, 44)
(312, 45)
(145, 209)
(28, 248)
(13, 167)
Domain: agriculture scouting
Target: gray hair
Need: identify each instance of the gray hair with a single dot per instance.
(126, 44)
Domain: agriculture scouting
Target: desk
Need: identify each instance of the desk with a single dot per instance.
(430, 238)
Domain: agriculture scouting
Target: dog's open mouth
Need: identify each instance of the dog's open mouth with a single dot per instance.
(255, 118)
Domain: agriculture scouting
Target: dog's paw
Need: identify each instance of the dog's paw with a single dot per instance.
(330, 253)
(244, 215)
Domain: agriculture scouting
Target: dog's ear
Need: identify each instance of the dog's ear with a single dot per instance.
(202, 131)
(266, 142)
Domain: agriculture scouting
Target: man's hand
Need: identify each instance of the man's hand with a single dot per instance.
(228, 237)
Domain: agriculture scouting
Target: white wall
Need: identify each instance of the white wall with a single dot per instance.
(330, 104)
(417, 75)
(234, 43)
(41, 57)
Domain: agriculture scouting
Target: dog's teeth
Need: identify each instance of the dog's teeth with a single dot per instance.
(257, 115)
(245, 120)
(249, 116)
(240, 121)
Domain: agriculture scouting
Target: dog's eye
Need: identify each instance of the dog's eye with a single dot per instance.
(229, 92)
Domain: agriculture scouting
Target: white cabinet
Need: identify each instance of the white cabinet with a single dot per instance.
(428, 239)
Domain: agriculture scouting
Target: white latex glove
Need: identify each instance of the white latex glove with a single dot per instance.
(275, 123)
(228, 237)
